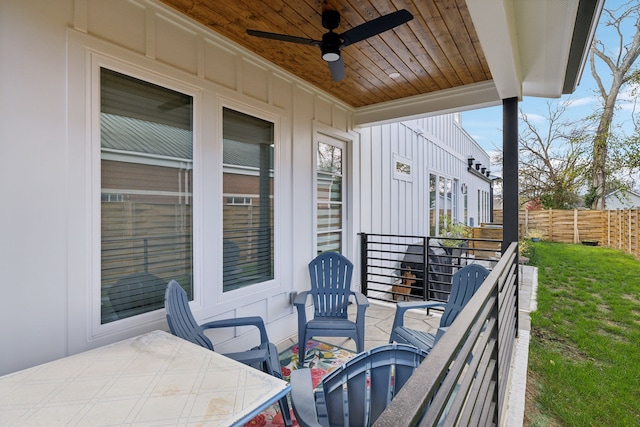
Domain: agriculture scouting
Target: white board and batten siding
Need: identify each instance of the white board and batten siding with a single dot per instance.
(49, 132)
(432, 145)
(51, 270)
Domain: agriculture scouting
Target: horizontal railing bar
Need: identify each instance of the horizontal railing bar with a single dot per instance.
(440, 400)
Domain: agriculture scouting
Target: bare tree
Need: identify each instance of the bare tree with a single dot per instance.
(553, 158)
(619, 59)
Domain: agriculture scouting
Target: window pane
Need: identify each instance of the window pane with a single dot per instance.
(329, 197)
(329, 159)
(442, 219)
(146, 181)
(329, 188)
(329, 242)
(329, 217)
(449, 199)
(433, 217)
(248, 200)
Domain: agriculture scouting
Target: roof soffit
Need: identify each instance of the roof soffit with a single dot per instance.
(544, 31)
(495, 24)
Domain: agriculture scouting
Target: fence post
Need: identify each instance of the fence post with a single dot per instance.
(576, 233)
(628, 234)
(609, 228)
(619, 229)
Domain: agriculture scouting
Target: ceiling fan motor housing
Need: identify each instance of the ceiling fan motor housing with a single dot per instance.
(330, 46)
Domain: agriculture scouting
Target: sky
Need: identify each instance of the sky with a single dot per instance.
(485, 125)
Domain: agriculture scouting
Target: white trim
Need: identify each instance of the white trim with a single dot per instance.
(473, 96)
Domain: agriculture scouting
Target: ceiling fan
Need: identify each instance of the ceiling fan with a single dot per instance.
(332, 43)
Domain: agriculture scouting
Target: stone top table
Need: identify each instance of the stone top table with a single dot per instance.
(155, 379)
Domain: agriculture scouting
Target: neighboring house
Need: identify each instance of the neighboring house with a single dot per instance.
(620, 199)
(139, 146)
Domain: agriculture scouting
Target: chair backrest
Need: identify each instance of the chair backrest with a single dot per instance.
(181, 321)
(136, 293)
(464, 284)
(357, 392)
(330, 274)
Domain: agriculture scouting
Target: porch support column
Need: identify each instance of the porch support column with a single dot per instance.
(510, 171)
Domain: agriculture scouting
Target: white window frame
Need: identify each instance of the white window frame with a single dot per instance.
(401, 162)
(450, 207)
(262, 290)
(343, 142)
(98, 61)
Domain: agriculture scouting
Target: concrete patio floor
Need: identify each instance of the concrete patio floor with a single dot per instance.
(379, 319)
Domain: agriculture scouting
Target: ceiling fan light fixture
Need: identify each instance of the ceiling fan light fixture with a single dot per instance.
(330, 56)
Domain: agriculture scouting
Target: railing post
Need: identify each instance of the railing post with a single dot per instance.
(364, 273)
(425, 267)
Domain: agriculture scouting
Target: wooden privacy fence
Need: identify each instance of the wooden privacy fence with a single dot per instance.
(616, 229)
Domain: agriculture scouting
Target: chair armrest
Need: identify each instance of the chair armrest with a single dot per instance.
(361, 300)
(402, 307)
(300, 302)
(361, 303)
(301, 299)
(303, 399)
(250, 357)
(241, 321)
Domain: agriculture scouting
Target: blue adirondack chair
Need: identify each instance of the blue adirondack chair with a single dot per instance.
(330, 275)
(356, 393)
(465, 283)
(182, 324)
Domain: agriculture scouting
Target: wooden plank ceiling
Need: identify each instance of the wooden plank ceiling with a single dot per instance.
(437, 50)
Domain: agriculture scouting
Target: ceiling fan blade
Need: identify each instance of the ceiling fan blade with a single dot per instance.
(337, 69)
(283, 37)
(376, 26)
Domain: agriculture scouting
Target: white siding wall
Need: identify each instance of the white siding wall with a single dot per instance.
(620, 200)
(434, 145)
(48, 244)
(47, 134)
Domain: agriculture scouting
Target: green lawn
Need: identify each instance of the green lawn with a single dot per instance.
(584, 357)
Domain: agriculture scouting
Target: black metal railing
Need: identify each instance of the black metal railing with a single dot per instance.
(403, 267)
(464, 379)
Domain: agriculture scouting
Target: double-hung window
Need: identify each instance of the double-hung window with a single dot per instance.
(146, 162)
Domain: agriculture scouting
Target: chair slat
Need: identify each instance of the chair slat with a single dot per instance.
(357, 392)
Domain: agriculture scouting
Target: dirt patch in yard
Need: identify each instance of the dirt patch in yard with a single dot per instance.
(533, 417)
